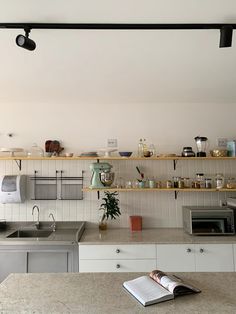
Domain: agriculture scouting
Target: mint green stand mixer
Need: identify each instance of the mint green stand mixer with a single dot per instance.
(101, 177)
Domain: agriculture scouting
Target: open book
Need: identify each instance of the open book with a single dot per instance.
(157, 287)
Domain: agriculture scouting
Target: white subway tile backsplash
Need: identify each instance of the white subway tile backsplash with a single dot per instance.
(159, 209)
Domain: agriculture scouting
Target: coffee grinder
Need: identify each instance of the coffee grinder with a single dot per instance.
(97, 168)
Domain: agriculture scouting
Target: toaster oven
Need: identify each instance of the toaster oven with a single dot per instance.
(208, 220)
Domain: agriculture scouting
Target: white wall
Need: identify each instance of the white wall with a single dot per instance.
(83, 87)
(85, 127)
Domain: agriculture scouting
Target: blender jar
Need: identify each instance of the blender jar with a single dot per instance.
(201, 143)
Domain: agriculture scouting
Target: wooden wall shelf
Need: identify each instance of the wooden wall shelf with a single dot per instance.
(18, 159)
(158, 190)
(116, 158)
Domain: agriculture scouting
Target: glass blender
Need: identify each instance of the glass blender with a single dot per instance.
(201, 143)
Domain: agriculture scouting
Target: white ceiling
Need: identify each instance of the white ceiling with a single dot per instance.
(72, 66)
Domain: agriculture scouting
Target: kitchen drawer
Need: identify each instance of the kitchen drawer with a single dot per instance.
(141, 265)
(176, 257)
(117, 251)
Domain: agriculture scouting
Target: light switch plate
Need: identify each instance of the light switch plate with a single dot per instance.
(222, 142)
(112, 142)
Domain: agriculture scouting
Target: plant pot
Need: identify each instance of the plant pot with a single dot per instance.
(102, 225)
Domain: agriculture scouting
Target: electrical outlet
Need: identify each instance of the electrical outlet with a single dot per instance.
(112, 142)
(222, 142)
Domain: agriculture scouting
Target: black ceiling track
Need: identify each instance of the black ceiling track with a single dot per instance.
(116, 26)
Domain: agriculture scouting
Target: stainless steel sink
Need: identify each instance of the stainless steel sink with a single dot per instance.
(30, 234)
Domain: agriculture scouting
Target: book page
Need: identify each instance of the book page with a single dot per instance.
(147, 291)
(172, 283)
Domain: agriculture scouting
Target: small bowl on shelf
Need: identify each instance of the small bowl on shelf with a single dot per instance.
(125, 154)
(218, 153)
(69, 154)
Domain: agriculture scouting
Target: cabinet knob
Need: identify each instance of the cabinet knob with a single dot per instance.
(201, 250)
(188, 250)
(117, 251)
(117, 265)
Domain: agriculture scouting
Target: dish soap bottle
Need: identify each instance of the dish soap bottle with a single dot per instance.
(35, 151)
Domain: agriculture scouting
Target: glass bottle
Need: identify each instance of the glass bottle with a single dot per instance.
(145, 148)
(140, 148)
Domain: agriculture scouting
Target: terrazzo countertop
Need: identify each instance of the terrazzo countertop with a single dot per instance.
(66, 233)
(148, 236)
(103, 293)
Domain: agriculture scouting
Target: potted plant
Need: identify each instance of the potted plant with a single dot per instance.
(110, 208)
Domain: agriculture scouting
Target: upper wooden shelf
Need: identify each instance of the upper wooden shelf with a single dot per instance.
(116, 158)
(18, 159)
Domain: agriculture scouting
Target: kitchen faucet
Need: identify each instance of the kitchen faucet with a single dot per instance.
(54, 222)
(37, 223)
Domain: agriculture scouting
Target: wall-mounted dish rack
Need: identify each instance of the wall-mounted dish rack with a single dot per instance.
(58, 187)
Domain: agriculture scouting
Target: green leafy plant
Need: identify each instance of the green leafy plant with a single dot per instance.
(110, 206)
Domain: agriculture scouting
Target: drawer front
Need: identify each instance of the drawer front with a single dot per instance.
(117, 251)
(117, 265)
(176, 257)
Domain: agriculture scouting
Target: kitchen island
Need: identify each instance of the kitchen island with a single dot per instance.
(103, 293)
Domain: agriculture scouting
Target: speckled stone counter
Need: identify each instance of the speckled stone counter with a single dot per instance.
(148, 236)
(103, 293)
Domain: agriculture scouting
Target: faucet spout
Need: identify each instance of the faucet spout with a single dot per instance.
(53, 226)
(37, 223)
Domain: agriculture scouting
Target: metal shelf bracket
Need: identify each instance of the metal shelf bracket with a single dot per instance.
(18, 162)
(175, 163)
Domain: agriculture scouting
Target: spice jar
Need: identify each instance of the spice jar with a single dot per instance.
(219, 180)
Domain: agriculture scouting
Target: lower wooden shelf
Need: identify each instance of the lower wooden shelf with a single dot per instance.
(87, 189)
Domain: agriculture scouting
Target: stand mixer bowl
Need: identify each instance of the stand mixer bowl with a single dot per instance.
(107, 178)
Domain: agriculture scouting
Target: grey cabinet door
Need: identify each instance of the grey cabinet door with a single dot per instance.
(47, 262)
(12, 262)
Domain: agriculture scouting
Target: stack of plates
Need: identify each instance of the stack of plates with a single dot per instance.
(89, 154)
(11, 150)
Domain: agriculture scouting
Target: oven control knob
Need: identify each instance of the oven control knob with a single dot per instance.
(117, 251)
(117, 265)
(189, 250)
(201, 250)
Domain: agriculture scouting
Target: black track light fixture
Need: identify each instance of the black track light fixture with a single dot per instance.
(226, 30)
(226, 34)
(24, 41)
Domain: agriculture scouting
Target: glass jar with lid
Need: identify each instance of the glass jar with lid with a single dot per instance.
(231, 183)
(35, 151)
(219, 181)
(187, 183)
(200, 181)
(208, 183)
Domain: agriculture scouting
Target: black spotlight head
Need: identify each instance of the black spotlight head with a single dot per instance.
(226, 34)
(25, 42)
